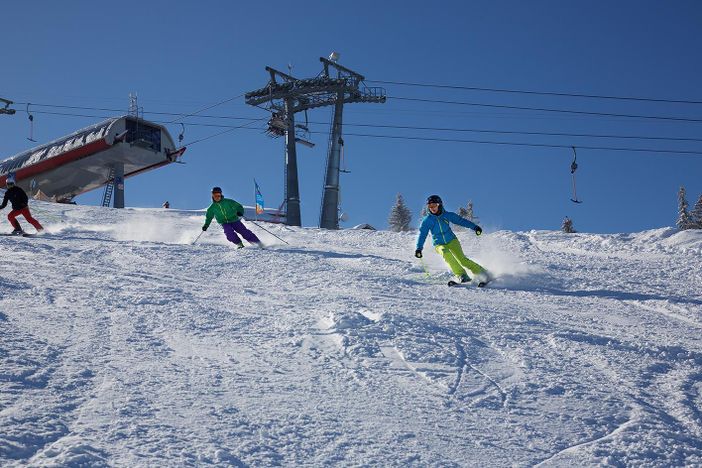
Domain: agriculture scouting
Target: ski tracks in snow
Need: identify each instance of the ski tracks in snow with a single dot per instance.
(121, 347)
(441, 362)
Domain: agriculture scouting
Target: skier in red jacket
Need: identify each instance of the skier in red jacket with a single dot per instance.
(20, 206)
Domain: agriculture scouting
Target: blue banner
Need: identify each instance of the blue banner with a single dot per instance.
(259, 199)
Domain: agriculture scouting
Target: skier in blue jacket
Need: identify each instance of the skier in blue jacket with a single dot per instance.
(437, 221)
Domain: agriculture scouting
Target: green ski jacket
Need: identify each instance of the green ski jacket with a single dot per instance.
(224, 211)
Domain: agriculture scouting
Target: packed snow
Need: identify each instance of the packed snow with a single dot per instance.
(124, 344)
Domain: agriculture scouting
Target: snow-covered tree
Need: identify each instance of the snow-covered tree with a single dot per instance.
(470, 213)
(684, 219)
(467, 212)
(400, 216)
(567, 225)
(423, 212)
(696, 214)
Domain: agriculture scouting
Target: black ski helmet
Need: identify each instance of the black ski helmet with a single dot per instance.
(216, 190)
(434, 199)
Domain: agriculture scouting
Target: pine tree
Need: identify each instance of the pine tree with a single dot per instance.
(696, 214)
(470, 214)
(684, 219)
(400, 216)
(467, 212)
(567, 226)
(463, 213)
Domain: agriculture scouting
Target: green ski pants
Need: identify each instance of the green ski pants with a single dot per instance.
(452, 254)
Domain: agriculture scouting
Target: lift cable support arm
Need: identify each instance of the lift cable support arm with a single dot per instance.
(6, 109)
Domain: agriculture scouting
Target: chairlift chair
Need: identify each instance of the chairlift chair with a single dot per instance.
(573, 168)
(31, 124)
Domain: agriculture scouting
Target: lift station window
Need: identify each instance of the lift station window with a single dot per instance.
(143, 135)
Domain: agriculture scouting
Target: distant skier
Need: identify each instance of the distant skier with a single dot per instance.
(228, 213)
(20, 206)
(437, 221)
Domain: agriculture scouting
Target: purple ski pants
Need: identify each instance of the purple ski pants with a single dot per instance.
(230, 230)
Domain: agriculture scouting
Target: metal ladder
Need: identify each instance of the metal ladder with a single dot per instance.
(109, 188)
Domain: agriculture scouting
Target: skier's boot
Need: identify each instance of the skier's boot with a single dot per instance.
(18, 229)
(240, 245)
(464, 278)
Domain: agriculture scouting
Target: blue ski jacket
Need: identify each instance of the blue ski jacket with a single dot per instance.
(439, 225)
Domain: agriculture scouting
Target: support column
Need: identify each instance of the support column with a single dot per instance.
(119, 185)
(292, 189)
(329, 218)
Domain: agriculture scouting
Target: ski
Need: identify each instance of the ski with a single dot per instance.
(24, 234)
(482, 284)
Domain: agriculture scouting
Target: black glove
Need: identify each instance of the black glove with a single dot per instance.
(418, 253)
(239, 214)
(204, 228)
(478, 230)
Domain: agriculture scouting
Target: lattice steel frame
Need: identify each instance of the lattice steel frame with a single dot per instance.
(291, 95)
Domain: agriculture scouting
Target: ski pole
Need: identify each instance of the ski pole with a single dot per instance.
(269, 232)
(198, 236)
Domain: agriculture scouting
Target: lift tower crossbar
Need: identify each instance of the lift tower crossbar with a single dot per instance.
(292, 95)
(6, 109)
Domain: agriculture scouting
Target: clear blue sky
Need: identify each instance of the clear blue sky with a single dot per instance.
(182, 56)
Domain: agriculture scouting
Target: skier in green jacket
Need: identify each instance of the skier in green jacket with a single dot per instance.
(228, 213)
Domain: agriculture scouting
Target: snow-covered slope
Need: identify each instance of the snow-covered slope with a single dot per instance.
(123, 345)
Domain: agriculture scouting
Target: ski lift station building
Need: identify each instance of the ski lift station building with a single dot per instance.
(96, 156)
